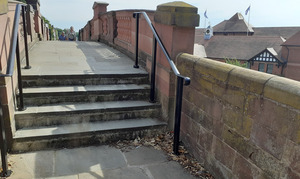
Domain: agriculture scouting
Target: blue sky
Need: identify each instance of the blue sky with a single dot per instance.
(264, 13)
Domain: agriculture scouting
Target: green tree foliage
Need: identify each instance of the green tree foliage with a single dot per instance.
(46, 21)
(236, 62)
(59, 31)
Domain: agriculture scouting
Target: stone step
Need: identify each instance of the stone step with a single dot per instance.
(84, 79)
(60, 114)
(84, 134)
(96, 93)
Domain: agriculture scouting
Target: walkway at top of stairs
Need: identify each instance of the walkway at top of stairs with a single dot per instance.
(78, 58)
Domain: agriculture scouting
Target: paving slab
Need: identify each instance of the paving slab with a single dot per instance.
(144, 155)
(169, 170)
(64, 177)
(66, 162)
(124, 173)
(96, 162)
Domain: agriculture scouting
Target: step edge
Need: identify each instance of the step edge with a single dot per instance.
(95, 110)
(28, 94)
(41, 137)
(74, 76)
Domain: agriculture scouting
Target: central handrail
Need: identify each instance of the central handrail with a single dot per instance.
(12, 50)
(173, 66)
(181, 80)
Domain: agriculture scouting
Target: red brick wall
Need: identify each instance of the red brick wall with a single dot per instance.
(117, 28)
(8, 86)
(126, 32)
(240, 123)
(276, 70)
(86, 32)
(292, 55)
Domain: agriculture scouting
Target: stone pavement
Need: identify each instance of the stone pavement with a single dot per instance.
(67, 57)
(96, 162)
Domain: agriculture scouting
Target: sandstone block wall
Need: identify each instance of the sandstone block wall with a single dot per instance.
(240, 123)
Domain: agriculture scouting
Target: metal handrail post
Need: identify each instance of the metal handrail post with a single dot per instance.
(179, 92)
(153, 69)
(136, 65)
(5, 172)
(181, 80)
(42, 25)
(25, 38)
(21, 97)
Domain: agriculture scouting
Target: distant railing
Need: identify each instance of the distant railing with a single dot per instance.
(14, 53)
(181, 80)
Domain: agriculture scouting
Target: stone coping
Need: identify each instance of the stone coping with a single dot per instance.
(280, 89)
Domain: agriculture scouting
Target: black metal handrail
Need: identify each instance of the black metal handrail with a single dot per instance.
(181, 80)
(14, 53)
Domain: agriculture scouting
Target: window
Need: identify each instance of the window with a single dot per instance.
(248, 65)
(261, 67)
(270, 68)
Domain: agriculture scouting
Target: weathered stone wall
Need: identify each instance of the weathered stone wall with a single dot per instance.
(240, 123)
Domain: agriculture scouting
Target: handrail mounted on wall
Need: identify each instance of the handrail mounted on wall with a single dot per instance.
(14, 53)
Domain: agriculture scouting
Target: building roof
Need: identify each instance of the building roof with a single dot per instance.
(273, 52)
(238, 47)
(285, 32)
(293, 41)
(200, 31)
(235, 24)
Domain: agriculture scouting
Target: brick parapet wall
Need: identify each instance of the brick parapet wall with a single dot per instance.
(8, 85)
(240, 123)
(117, 28)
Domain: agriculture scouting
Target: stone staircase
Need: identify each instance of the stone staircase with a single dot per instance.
(65, 111)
